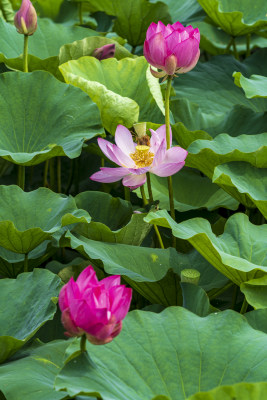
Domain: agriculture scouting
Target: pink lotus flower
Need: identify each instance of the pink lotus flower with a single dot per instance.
(104, 52)
(172, 48)
(136, 160)
(26, 18)
(94, 308)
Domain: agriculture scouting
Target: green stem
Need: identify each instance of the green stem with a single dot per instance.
(102, 162)
(83, 344)
(159, 236)
(25, 53)
(58, 175)
(52, 174)
(26, 263)
(167, 122)
(229, 45)
(133, 49)
(220, 291)
(127, 195)
(149, 187)
(235, 49)
(45, 182)
(71, 174)
(248, 45)
(142, 190)
(21, 177)
(80, 5)
(235, 293)
(244, 306)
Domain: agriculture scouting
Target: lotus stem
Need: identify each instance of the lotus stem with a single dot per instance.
(25, 54)
(229, 45)
(222, 290)
(235, 292)
(80, 6)
(52, 174)
(21, 176)
(167, 121)
(26, 263)
(83, 344)
(127, 193)
(45, 182)
(145, 202)
(142, 190)
(235, 49)
(58, 174)
(248, 45)
(149, 187)
(244, 306)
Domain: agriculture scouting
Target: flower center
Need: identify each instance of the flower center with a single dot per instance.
(142, 156)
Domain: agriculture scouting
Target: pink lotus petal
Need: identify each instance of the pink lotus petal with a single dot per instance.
(157, 50)
(161, 132)
(111, 281)
(152, 29)
(178, 26)
(72, 290)
(63, 299)
(87, 278)
(186, 52)
(124, 140)
(169, 169)
(175, 154)
(69, 325)
(191, 66)
(107, 175)
(124, 160)
(134, 181)
(120, 300)
(107, 149)
(160, 154)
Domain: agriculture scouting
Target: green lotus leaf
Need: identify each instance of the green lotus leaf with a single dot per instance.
(185, 12)
(86, 46)
(255, 86)
(31, 131)
(119, 88)
(48, 8)
(230, 252)
(148, 269)
(205, 155)
(12, 264)
(255, 291)
(235, 17)
(258, 319)
(31, 218)
(196, 300)
(174, 354)
(239, 391)
(244, 182)
(6, 11)
(18, 319)
(132, 17)
(44, 45)
(191, 192)
(102, 207)
(33, 373)
(215, 41)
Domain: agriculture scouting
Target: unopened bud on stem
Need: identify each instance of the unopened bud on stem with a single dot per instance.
(26, 19)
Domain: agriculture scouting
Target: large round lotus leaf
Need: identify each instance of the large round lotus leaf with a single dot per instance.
(215, 41)
(211, 85)
(258, 319)
(48, 8)
(205, 155)
(184, 11)
(133, 17)
(255, 86)
(31, 376)
(191, 191)
(44, 45)
(30, 129)
(196, 300)
(112, 219)
(102, 207)
(119, 88)
(174, 353)
(239, 391)
(85, 47)
(31, 218)
(236, 17)
(30, 304)
(12, 264)
(146, 269)
(231, 253)
(255, 291)
(246, 183)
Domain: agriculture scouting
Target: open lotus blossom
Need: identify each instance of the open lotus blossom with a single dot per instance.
(94, 308)
(136, 160)
(26, 18)
(172, 48)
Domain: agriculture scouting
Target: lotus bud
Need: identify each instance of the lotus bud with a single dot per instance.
(104, 52)
(26, 19)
